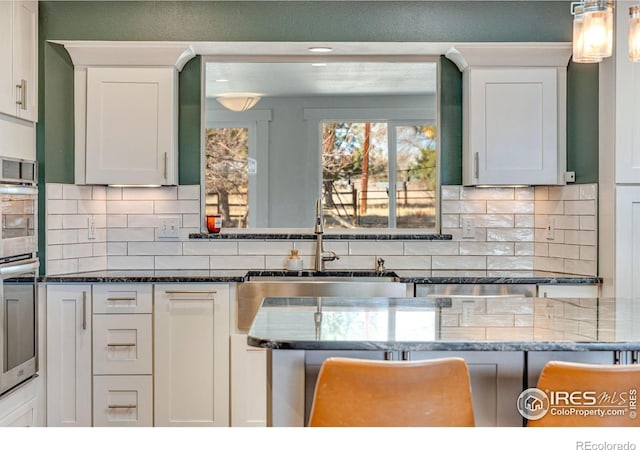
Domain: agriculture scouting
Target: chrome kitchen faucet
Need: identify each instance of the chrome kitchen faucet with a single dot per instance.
(321, 255)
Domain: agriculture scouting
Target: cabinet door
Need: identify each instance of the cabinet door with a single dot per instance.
(25, 58)
(131, 125)
(68, 355)
(7, 88)
(511, 117)
(248, 383)
(191, 351)
(496, 383)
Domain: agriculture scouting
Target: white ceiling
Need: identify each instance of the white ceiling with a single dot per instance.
(337, 77)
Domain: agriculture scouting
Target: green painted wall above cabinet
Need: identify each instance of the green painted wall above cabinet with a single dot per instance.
(376, 21)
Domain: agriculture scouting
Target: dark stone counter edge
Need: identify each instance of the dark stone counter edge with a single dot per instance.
(444, 346)
(334, 237)
(102, 277)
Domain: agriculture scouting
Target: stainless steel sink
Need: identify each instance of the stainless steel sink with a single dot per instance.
(313, 284)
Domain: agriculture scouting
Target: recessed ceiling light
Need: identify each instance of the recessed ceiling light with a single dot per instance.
(222, 80)
(318, 64)
(320, 49)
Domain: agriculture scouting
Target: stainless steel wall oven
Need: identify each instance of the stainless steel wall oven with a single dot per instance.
(18, 272)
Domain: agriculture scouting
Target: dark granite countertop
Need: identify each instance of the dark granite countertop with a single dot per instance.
(422, 324)
(326, 236)
(231, 276)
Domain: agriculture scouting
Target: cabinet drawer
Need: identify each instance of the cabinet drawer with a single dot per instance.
(122, 401)
(122, 298)
(122, 344)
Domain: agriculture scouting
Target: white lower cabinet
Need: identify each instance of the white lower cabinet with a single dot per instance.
(123, 401)
(20, 407)
(191, 355)
(248, 383)
(68, 355)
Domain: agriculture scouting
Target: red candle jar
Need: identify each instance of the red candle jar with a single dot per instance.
(214, 223)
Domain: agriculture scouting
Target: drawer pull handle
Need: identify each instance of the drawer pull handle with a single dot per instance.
(121, 299)
(191, 292)
(122, 345)
(122, 406)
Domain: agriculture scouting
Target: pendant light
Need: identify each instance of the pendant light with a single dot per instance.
(592, 30)
(634, 33)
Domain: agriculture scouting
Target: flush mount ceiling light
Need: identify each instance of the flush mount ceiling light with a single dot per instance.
(592, 30)
(239, 101)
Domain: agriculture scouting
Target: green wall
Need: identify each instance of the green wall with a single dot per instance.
(375, 21)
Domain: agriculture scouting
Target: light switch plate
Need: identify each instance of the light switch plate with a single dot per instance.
(168, 227)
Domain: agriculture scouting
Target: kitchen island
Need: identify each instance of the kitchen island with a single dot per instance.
(505, 341)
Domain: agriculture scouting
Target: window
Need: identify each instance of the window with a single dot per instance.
(227, 165)
(379, 174)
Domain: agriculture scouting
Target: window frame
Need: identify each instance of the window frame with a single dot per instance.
(316, 117)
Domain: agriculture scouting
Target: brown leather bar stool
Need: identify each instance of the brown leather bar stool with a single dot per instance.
(606, 386)
(366, 393)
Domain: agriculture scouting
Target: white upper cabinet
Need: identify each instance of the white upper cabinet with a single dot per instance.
(514, 113)
(126, 111)
(19, 56)
(131, 125)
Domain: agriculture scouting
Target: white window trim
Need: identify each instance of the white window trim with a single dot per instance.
(257, 121)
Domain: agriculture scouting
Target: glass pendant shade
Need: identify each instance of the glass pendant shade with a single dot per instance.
(597, 29)
(578, 39)
(634, 33)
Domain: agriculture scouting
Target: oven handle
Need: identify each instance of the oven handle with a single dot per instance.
(19, 268)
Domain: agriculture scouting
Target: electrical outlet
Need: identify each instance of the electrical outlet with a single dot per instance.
(169, 227)
(91, 227)
(467, 312)
(468, 230)
(550, 231)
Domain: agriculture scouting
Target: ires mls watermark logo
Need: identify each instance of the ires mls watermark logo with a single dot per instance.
(534, 404)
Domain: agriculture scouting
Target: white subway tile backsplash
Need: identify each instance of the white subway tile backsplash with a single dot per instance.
(509, 263)
(189, 192)
(431, 248)
(510, 207)
(54, 222)
(581, 207)
(199, 247)
(264, 248)
(62, 206)
(77, 251)
(92, 264)
(181, 262)
(54, 191)
(150, 193)
(245, 262)
(130, 207)
(509, 234)
(92, 207)
(463, 207)
(450, 192)
(130, 234)
(177, 207)
(74, 192)
(458, 262)
(376, 248)
(486, 248)
(154, 248)
(498, 193)
(62, 237)
(116, 248)
(130, 263)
